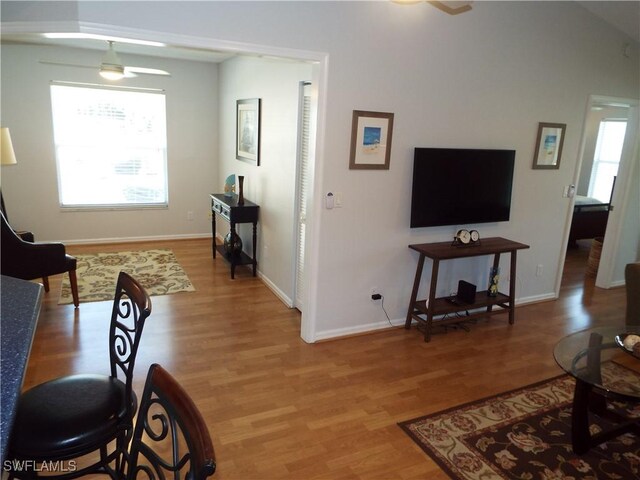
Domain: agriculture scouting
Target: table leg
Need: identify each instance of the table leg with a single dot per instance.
(232, 257)
(432, 299)
(255, 241)
(512, 288)
(580, 436)
(414, 293)
(213, 232)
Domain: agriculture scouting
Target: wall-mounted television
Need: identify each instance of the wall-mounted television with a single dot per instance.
(453, 186)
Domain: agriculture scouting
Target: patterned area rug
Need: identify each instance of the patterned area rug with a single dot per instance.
(524, 434)
(158, 272)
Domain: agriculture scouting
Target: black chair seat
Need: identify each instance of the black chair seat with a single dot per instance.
(67, 416)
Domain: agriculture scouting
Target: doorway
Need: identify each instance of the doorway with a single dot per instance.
(318, 62)
(603, 182)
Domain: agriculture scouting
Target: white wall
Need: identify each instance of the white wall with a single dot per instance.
(272, 184)
(30, 188)
(482, 79)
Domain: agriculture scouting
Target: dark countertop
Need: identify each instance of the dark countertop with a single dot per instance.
(19, 309)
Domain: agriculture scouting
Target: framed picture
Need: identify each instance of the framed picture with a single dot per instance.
(371, 134)
(549, 146)
(248, 130)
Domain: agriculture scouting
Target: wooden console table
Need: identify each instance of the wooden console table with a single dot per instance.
(441, 306)
(228, 208)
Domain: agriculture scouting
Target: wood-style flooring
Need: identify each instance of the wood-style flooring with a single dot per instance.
(278, 408)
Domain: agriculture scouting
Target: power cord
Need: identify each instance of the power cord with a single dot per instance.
(378, 296)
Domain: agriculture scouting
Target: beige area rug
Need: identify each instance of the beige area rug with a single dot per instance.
(157, 271)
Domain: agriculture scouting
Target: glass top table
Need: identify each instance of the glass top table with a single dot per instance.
(601, 366)
(583, 354)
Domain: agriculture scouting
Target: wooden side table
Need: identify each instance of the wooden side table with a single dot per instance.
(440, 306)
(228, 208)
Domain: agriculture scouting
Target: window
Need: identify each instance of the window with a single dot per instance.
(110, 145)
(606, 158)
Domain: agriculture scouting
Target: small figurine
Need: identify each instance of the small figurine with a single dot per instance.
(230, 185)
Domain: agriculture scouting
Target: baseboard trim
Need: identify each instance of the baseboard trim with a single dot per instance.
(276, 291)
(536, 299)
(358, 330)
(338, 333)
(155, 238)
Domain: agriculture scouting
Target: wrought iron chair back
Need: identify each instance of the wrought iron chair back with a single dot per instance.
(75, 416)
(171, 439)
(131, 307)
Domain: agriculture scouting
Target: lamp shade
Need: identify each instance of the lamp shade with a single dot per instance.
(7, 156)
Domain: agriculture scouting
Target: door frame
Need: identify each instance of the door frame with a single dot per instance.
(319, 62)
(620, 198)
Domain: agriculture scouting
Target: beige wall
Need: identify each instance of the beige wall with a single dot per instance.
(30, 188)
(272, 184)
(483, 79)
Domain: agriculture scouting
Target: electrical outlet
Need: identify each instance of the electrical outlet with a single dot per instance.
(374, 293)
(539, 270)
(190, 215)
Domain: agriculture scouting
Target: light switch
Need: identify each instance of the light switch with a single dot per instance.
(330, 200)
(338, 199)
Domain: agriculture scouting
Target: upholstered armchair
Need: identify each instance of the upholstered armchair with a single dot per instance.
(28, 260)
(632, 280)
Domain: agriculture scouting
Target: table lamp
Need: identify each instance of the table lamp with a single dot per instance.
(7, 157)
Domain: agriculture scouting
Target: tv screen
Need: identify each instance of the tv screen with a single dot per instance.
(461, 186)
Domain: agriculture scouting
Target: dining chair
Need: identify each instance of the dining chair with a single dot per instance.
(23, 258)
(86, 417)
(171, 439)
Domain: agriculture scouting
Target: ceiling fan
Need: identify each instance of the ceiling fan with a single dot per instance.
(450, 7)
(112, 68)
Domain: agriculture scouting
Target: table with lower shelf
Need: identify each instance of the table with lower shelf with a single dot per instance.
(229, 209)
(433, 306)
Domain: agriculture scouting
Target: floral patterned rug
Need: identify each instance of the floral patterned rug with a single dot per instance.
(524, 434)
(158, 272)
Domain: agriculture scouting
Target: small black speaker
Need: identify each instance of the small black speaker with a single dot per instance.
(466, 292)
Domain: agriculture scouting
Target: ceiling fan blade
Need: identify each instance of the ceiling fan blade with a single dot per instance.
(67, 64)
(453, 7)
(146, 71)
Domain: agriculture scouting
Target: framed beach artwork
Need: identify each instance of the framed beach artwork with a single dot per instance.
(549, 146)
(248, 130)
(371, 134)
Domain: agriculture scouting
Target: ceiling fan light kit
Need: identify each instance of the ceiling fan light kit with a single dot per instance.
(111, 67)
(112, 72)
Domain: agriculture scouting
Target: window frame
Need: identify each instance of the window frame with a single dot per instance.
(75, 207)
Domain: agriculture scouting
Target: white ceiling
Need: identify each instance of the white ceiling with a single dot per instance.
(623, 15)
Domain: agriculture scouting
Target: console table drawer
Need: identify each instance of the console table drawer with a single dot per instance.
(221, 209)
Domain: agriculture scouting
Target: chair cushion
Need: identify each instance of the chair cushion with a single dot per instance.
(67, 417)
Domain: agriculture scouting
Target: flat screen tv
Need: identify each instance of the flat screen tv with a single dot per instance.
(454, 186)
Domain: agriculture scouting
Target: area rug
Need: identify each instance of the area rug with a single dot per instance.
(524, 434)
(157, 271)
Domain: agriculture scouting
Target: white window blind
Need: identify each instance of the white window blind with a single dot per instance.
(607, 158)
(303, 194)
(110, 145)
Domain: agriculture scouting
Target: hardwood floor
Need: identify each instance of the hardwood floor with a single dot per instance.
(278, 408)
